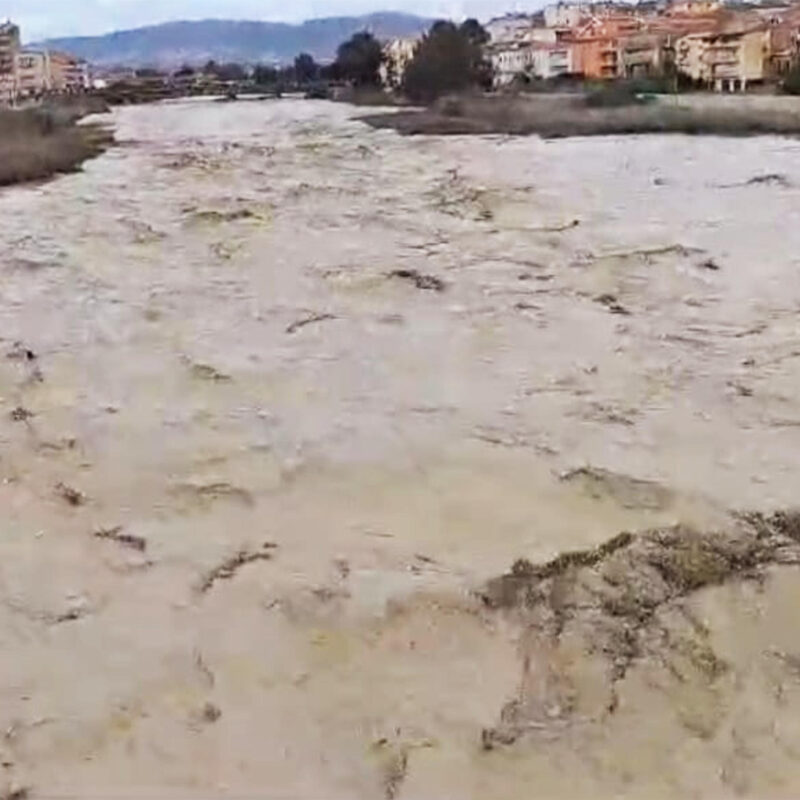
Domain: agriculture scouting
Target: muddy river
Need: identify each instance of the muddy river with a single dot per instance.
(279, 394)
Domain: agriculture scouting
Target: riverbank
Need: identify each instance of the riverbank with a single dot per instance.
(43, 141)
(560, 116)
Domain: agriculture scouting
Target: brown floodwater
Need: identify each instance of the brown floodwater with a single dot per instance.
(315, 384)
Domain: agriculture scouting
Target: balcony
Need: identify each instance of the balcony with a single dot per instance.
(725, 73)
(712, 60)
(633, 46)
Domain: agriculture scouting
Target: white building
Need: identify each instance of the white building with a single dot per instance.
(551, 60)
(565, 15)
(9, 47)
(34, 74)
(510, 28)
(511, 60)
(397, 55)
(532, 59)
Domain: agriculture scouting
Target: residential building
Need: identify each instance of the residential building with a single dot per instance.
(683, 41)
(646, 55)
(9, 47)
(544, 35)
(693, 7)
(572, 15)
(511, 60)
(784, 48)
(33, 73)
(737, 56)
(509, 28)
(397, 55)
(597, 45)
(68, 73)
(551, 60)
(734, 54)
(533, 59)
(784, 40)
(690, 51)
(566, 15)
(596, 57)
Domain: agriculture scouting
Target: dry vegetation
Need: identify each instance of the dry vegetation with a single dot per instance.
(36, 143)
(615, 599)
(365, 96)
(554, 116)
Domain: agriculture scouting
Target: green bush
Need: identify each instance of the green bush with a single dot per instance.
(616, 95)
(791, 82)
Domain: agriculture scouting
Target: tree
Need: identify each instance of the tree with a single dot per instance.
(475, 32)
(359, 60)
(449, 59)
(330, 72)
(264, 75)
(791, 81)
(231, 72)
(306, 69)
(186, 71)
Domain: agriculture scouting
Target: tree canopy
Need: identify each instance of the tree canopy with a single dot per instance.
(475, 32)
(449, 59)
(359, 60)
(306, 69)
(791, 81)
(225, 72)
(265, 75)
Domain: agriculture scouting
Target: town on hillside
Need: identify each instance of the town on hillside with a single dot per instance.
(729, 47)
(722, 47)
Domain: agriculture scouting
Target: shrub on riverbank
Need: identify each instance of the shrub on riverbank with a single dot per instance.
(791, 82)
(551, 116)
(36, 143)
(617, 94)
(365, 96)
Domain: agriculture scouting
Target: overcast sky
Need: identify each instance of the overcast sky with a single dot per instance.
(42, 18)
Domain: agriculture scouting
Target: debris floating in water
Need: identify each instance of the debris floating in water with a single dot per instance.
(421, 281)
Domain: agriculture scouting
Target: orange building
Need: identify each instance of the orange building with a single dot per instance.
(596, 45)
(68, 74)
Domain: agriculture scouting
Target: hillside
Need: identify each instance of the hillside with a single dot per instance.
(176, 43)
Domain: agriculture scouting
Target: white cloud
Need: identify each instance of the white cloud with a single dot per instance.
(41, 18)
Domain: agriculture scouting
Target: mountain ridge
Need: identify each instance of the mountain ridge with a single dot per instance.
(171, 44)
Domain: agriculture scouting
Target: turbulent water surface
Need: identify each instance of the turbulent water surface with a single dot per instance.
(279, 394)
